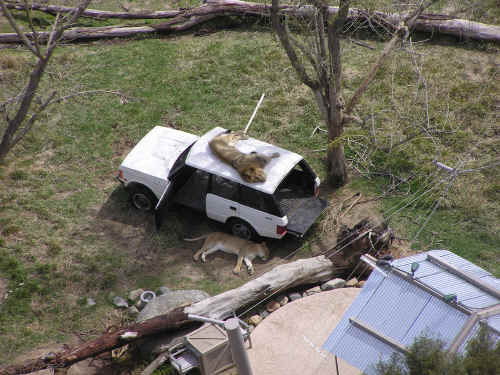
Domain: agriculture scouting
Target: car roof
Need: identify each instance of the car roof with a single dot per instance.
(157, 151)
(201, 157)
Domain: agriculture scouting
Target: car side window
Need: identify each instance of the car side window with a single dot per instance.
(251, 198)
(224, 188)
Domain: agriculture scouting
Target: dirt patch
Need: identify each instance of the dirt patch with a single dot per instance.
(347, 208)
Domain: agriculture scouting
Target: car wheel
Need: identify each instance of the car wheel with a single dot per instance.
(143, 199)
(242, 229)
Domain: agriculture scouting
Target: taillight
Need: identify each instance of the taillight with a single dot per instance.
(120, 176)
(280, 230)
(317, 182)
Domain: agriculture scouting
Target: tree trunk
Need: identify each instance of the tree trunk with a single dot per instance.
(29, 93)
(336, 168)
(429, 23)
(282, 277)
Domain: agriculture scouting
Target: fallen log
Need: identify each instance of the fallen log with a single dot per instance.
(97, 14)
(163, 323)
(184, 19)
(285, 276)
(304, 271)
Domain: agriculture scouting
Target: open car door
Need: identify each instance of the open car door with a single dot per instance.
(163, 204)
(304, 214)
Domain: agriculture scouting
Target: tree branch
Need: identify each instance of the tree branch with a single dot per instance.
(285, 41)
(20, 134)
(32, 27)
(20, 34)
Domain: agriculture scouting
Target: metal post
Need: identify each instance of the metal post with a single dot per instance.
(238, 350)
(336, 365)
(253, 114)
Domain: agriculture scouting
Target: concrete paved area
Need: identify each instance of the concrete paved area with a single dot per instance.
(288, 342)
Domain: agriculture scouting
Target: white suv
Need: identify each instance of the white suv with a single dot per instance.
(170, 166)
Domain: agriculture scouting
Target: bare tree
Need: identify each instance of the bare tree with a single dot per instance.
(18, 121)
(318, 63)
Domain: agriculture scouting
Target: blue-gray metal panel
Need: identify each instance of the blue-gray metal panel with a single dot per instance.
(481, 302)
(464, 291)
(492, 281)
(464, 264)
(371, 285)
(361, 349)
(394, 307)
(438, 320)
(425, 268)
(494, 322)
(409, 260)
(446, 283)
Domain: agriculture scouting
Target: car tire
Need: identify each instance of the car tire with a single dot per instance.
(242, 229)
(143, 199)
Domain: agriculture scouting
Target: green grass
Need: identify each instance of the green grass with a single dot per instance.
(67, 231)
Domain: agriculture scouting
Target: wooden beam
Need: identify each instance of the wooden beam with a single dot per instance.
(395, 344)
(464, 332)
(473, 279)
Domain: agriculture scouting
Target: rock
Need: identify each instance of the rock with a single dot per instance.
(351, 283)
(272, 306)
(314, 290)
(91, 366)
(264, 314)
(139, 305)
(333, 284)
(133, 311)
(162, 290)
(90, 302)
(120, 302)
(135, 294)
(294, 296)
(283, 300)
(255, 319)
(167, 302)
(160, 305)
(361, 284)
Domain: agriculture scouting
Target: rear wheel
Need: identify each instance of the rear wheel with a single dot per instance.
(242, 229)
(143, 199)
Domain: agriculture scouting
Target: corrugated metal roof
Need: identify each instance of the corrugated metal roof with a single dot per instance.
(397, 308)
(445, 282)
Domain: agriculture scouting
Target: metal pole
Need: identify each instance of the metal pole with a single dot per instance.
(336, 365)
(238, 350)
(253, 114)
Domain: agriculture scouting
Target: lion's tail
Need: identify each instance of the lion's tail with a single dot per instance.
(196, 238)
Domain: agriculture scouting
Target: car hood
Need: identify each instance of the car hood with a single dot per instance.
(158, 150)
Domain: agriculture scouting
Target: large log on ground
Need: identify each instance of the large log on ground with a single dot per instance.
(304, 271)
(184, 19)
(285, 276)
